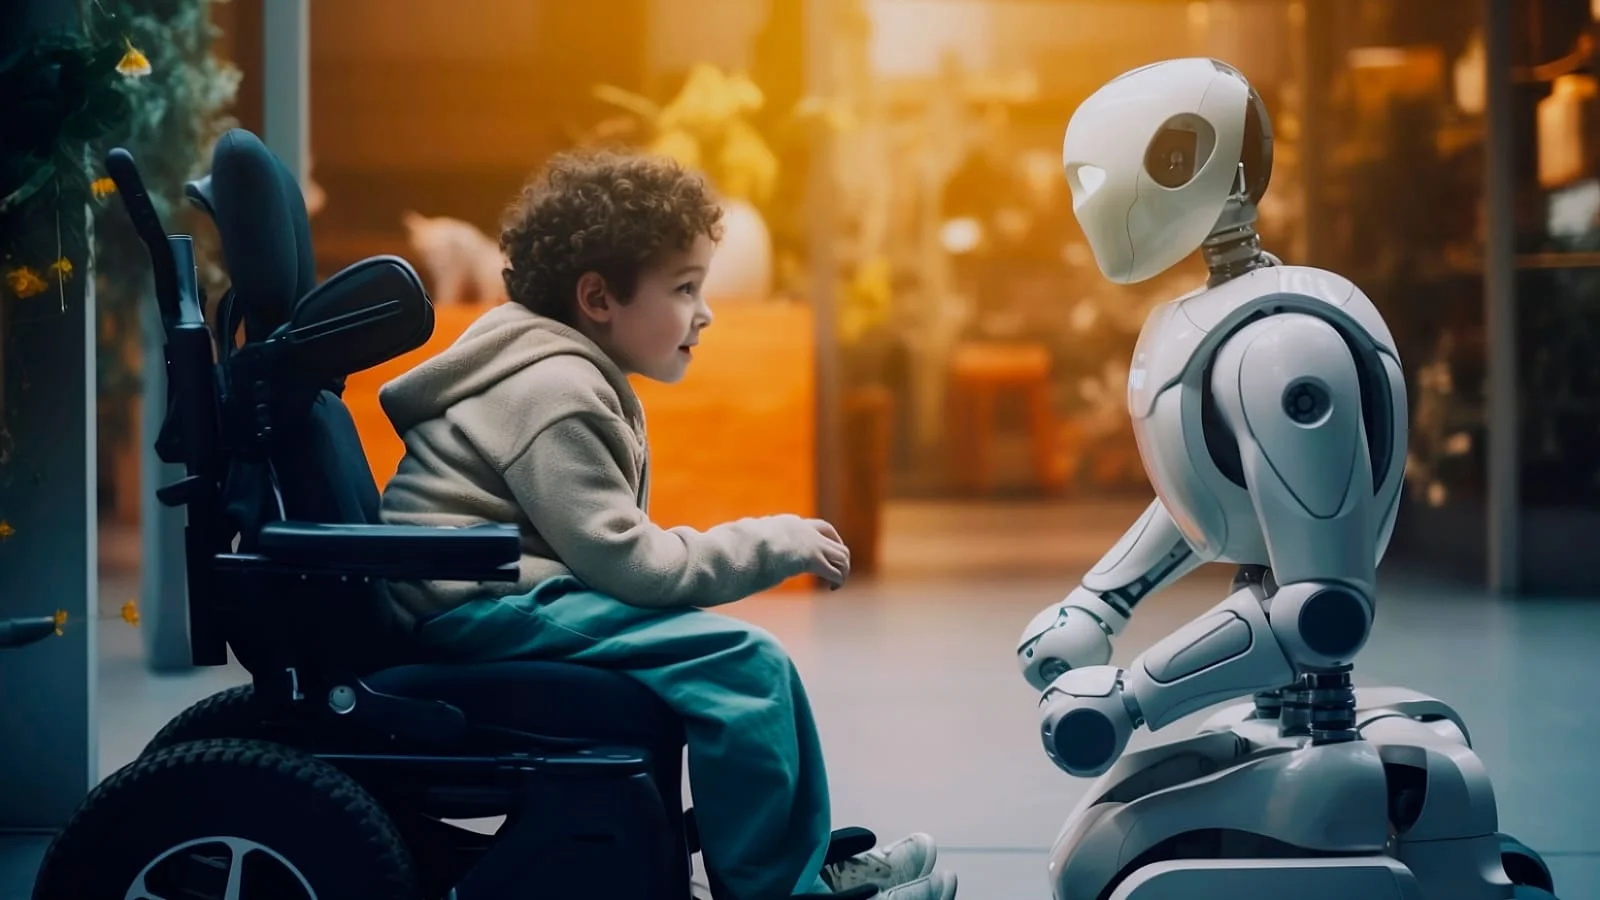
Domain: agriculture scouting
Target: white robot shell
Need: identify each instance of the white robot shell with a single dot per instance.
(1154, 156)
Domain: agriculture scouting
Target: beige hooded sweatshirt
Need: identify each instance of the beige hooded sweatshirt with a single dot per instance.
(525, 420)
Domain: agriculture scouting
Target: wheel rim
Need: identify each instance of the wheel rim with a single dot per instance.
(220, 868)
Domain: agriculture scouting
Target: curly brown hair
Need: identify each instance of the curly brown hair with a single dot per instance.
(601, 211)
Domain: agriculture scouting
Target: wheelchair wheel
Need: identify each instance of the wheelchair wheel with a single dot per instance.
(234, 819)
(225, 714)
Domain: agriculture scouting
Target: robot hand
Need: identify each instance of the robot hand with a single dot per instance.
(1086, 719)
(1072, 634)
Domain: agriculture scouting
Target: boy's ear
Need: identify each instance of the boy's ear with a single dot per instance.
(594, 298)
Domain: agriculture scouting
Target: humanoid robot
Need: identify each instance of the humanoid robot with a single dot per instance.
(1269, 409)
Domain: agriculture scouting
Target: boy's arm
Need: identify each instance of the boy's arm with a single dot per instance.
(573, 489)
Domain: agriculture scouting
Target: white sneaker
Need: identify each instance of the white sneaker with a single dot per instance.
(937, 886)
(907, 860)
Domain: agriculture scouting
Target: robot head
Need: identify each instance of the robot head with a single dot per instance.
(1155, 157)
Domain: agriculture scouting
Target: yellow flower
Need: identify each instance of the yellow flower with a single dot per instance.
(62, 268)
(748, 168)
(133, 64)
(708, 100)
(746, 96)
(679, 145)
(100, 187)
(6, 531)
(25, 282)
(130, 613)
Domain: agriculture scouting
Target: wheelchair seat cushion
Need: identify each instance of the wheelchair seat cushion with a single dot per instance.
(560, 700)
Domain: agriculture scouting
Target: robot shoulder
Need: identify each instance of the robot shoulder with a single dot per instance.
(1317, 292)
(1181, 336)
(1349, 304)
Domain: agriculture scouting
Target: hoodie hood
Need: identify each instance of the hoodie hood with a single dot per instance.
(502, 342)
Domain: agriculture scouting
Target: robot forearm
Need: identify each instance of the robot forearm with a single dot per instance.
(1077, 631)
(1150, 556)
(1244, 644)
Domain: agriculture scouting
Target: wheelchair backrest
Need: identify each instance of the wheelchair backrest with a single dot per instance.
(285, 447)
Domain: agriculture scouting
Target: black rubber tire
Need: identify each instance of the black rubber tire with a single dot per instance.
(303, 809)
(1523, 866)
(225, 714)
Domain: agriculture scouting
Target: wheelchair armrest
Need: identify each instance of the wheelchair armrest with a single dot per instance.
(393, 552)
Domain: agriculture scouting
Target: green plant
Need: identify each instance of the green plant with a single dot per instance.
(60, 95)
(139, 74)
(710, 126)
(177, 111)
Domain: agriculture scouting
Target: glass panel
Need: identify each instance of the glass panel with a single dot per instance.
(1396, 126)
(1556, 108)
(1558, 362)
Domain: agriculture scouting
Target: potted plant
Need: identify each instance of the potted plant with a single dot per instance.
(709, 126)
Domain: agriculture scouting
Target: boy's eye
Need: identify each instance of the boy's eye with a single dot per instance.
(688, 287)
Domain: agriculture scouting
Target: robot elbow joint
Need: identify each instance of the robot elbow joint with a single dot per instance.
(1321, 624)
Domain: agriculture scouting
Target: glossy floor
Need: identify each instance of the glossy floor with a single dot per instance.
(929, 727)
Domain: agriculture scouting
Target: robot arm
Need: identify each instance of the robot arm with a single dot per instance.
(1077, 632)
(1299, 422)
(1288, 390)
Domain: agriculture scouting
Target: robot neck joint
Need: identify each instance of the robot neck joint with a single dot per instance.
(1234, 248)
(1231, 253)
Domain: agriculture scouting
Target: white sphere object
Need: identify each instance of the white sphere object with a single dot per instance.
(742, 267)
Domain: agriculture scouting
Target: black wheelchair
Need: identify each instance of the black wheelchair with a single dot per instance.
(346, 767)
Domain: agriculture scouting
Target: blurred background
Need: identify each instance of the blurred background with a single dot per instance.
(909, 311)
(912, 338)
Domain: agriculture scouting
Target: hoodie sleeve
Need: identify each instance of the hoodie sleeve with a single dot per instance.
(571, 485)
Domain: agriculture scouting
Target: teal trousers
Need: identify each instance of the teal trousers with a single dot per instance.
(755, 761)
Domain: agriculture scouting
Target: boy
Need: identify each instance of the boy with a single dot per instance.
(529, 418)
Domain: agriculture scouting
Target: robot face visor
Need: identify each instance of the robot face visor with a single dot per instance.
(1179, 150)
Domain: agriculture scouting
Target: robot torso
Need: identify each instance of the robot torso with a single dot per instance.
(1192, 459)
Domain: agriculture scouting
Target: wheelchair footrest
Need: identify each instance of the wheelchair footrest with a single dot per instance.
(848, 842)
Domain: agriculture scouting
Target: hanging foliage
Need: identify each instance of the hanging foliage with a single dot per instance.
(139, 74)
(58, 98)
(177, 112)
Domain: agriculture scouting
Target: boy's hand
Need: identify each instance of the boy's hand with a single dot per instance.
(827, 556)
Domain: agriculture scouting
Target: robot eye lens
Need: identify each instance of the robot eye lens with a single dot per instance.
(1170, 159)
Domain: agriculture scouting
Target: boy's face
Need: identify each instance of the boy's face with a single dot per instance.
(654, 333)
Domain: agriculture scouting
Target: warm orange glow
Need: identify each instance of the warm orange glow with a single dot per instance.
(1381, 75)
(979, 374)
(735, 438)
(1563, 149)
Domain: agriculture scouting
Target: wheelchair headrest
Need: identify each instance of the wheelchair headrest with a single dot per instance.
(366, 314)
(266, 234)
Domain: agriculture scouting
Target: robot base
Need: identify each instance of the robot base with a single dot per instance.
(1236, 810)
(1375, 877)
